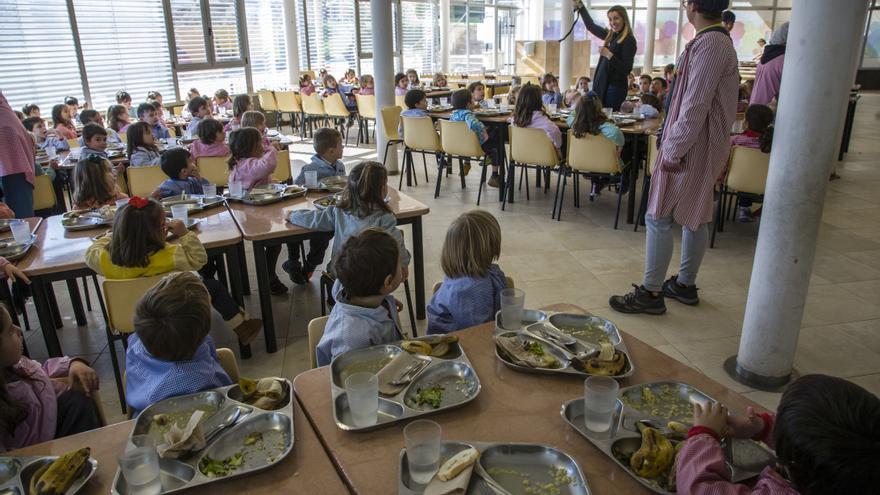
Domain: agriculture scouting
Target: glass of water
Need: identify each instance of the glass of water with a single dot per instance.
(512, 303)
(209, 190)
(600, 397)
(180, 212)
(443, 102)
(139, 464)
(21, 231)
(551, 108)
(311, 179)
(607, 111)
(422, 439)
(362, 390)
(235, 188)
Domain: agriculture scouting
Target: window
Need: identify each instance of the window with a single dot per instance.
(39, 63)
(421, 36)
(208, 81)
(871, 58)
(124, 49)
(224, 30)
(266, 43)
(189, 33)
(328, 29)
(750, 26)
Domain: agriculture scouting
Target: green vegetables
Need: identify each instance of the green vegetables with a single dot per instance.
(214, 468)
(534, 347)
(431, 396)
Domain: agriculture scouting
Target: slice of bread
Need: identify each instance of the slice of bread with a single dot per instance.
(457, 463)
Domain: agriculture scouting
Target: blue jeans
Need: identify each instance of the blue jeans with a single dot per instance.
(614, 97)
(658, 252)
(18, 194)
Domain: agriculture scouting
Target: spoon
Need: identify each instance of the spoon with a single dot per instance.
(233, 416)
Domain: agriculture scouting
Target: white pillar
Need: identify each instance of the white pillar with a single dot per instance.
(383, 73)
(566, 47)
(444, 36)
(292, 35)
(650, 36)
(801, 160)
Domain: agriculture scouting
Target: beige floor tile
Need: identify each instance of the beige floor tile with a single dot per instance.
(708, 356)
(870, 258)
(828, 304)
(671, 351)
(834, 351)
(870, 382)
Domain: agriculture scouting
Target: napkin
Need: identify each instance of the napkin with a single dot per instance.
(392, 371)
(455, 486)
(180, 441)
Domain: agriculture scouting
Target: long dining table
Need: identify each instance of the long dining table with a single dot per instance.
(511, 407)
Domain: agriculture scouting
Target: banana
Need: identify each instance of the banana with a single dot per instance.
(677, 427)
(36, 477)
(60, 475)
(247, 386)
(416, 347)
(654, 456)
(613, 367)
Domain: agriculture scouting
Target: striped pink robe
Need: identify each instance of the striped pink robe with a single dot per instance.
(696, 134)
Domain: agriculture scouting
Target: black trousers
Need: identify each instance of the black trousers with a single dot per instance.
(76, 414)
(318, 244)
(221, 299)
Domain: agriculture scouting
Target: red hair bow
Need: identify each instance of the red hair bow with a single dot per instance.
(138, 202)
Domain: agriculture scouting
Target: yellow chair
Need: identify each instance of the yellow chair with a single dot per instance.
(215, 169)
(142, 181)
(229, 364)
(336, 110)
(458, 141)
(651, 158)
(400, 100)
(313, 109)
(747, 171)
(530, 148)
(172, 132)
(366, 105)
(44, 193)
(178, 110)
(530, 80)
(268, 104)
(420, 136)
(594, 157)
(391, 124)
(282, 169)
(73, 143)
(316, 331)
(122, 184)
(288, 103)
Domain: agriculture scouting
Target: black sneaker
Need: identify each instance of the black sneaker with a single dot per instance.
(276, 287)
(638, 301)
(685, 294)
(295, 272)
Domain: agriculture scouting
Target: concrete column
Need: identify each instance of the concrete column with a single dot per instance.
(383, 73)
(444, 36)
(292, 35)
(566, 47)
(650, 36)
(800, 163)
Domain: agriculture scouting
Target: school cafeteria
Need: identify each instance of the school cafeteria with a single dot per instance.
(440, 247)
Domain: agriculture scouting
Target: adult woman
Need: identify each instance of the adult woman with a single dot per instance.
(16, 162)
(615, 56)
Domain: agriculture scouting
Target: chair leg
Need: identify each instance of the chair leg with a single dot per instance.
(385, 158)
(482, 181)
(409, 307)
(323, 298)
(461, 171)
(617, 211)
(557, 199)
(441, 166)
(403, 169)
(85, 282)
(562, 194)
(425, 164)
(120, 387)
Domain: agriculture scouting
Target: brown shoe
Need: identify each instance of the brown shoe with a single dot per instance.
(248, 330)
(494, 181)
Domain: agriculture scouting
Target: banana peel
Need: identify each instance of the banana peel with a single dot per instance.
(432, 345)
(654, 456)
(416, 347)
(612, 367)
(58, 476)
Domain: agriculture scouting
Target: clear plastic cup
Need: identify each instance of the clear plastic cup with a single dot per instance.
(180, 212)
(50, 152)
(121, 202)
(504, 107)
(607, 111)
(512, 303)
(21, 231)
(139, 464)
(235, 188)
(362, 390)
(423, 440)
(551, 108)
(311, 179)
(209, 190)
(600, 397)
(443, 102)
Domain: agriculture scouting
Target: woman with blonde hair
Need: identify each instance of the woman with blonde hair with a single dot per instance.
(615, 56)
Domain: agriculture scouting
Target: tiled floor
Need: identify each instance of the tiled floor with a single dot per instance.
(582, 260)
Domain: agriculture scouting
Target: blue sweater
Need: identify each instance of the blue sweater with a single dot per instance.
(466, 301)
(323, 167)
(174, 187)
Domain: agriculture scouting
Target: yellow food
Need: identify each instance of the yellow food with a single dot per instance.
(36, 477)
(654, 456)
(678, 427)
(61, 473)
(247, 386)
(416, 347)
(457, 463)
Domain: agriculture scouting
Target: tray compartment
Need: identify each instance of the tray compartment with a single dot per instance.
(235, 394)
(369, 359)
(458, 380)
(389, 411)
(275, 444)
(586, 327)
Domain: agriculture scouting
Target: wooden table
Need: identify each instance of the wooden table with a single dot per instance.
(267, 226)
(307, 469)
(512, 407)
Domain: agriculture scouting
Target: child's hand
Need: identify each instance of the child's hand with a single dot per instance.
(83, 377)
(156, 194)
(745, 426)
(14, 273)
(177, 227)
(713, 416)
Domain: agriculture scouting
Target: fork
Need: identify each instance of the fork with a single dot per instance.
(410, 374)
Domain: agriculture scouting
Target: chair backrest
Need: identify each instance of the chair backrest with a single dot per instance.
(400, 100)
(121, 296)
(334, 106)
(178, 110)
(747, 170)
(215, 169)
(366, 105)
(267, 100)
(282, 169)
(287, 102)
(144, 180)
(227, 361)
(419, 134)
(44, 193)
(122, 184)
(532, 147)
(592, 154)
(172, 131)
(390, 122)
(312, 104)
(454, 85)
(530, 79)
(316, 331)
(73, 143)
(458, 139)
(652, 152)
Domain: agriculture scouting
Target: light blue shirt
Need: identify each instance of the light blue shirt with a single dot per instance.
(54, 142)
(160, 131)
(193, 127)
(149, 379)
(86, 152)
(411, 112)
(112, 137)
(175, 187)
(142, 157)
(352, 327)
(323, 167)
(465, 302)
(552, 98)
(473, 123)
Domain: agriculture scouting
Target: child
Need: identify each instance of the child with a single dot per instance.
(478, 94)
(155, 98)
(33, 407)
(240, 105)
(192, 93)
(644, 84)
(350, 78)
(306, 85)
(73, 106)
(550, 86)
(757, 134)
(583, 85)
(512, 95)
(825, 434)
(146, 112)
(258, 121)
(44, 138)
(471, 290)
(198, 107)
(30, 110)
(94, 139)
(588, 118)
(658, 88)
(183, 175)
(221, 101)
(142, 150)
(416, 106)
(332, 87)
(171, 352)
(117, 118)
(327, 163)
(365, 312)
(412, 79)
(124, 99)
(250, 162)
(401, 84)
(211, 142)
(529, 112)
(90, 116)
(94, 184)
(439, 80)
(631, 82)
(62, 123)
(669, 73)
(462, 105)
(367, 85)
(137, 247)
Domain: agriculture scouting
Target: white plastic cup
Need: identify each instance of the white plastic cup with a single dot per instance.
(50, 152)
(180, 212)
(312, 179)
(362, 390)
(607, 111)
(512, 303)
(443, 102)
(551, 107)
(504, 107)
(235, 188)
(120, 203)
(209, 190)
(600, 397)
(21, 231)
(423, 441)
(139, 464)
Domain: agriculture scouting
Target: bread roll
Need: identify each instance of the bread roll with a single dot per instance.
(457, 463)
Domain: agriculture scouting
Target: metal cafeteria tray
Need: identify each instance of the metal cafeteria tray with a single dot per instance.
(325, 201)
(16, 473)
(259, 197)
(453, 371)
(85, 220)
(4, 224)
(573, 325)
(179, 475)
(333, 184)
(12, 250)
(514, 467)
(194, 202)
(745, 458)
